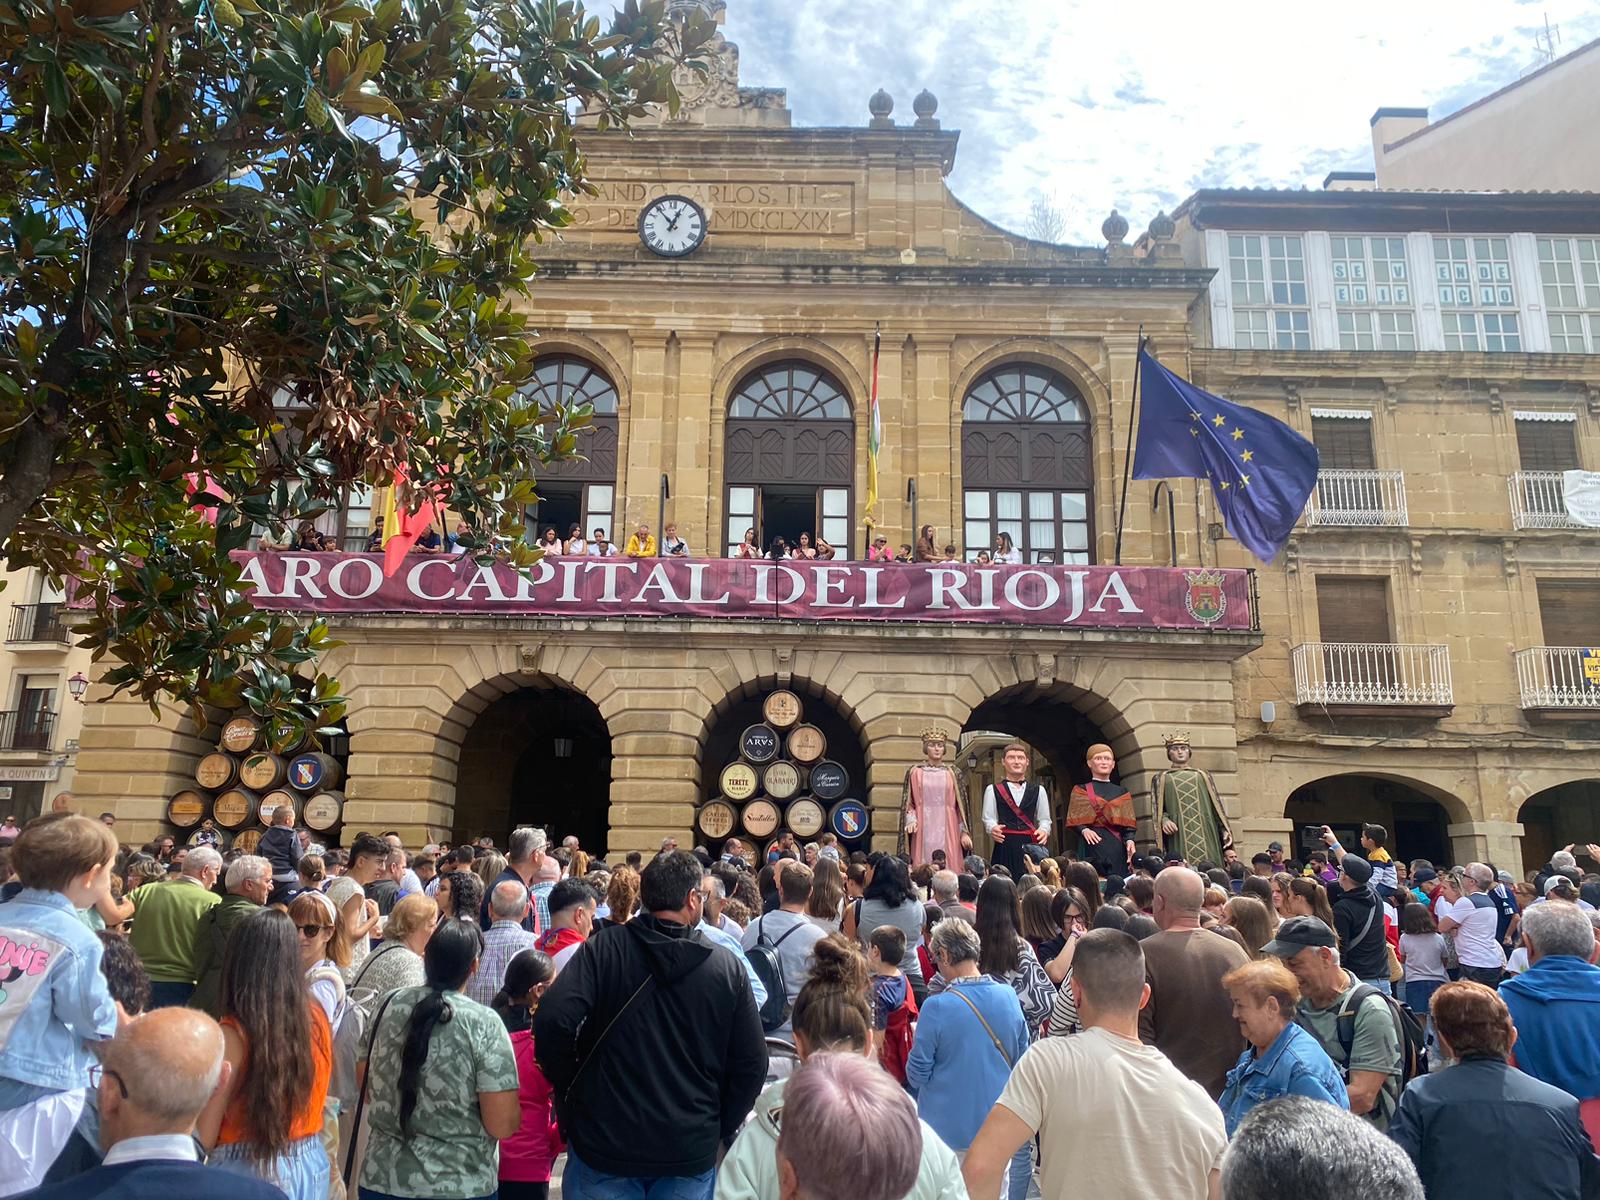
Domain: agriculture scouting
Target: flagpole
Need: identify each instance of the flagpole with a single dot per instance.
(1127, 458)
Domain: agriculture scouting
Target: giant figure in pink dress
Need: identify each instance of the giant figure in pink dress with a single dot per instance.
(933, 806)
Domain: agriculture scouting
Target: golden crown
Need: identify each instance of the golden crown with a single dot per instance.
(935, 733)
(1175, 739)
(1206, 576)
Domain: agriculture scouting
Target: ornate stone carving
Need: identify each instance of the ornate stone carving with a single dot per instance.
(1114, 228)
(528, 657)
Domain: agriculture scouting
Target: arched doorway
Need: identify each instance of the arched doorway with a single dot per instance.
(790, 460)
(845, 746)
(541, 756)
(1417, 822)
(578, 491)
(1027, 469)
(1566, 814)
(1050, 723)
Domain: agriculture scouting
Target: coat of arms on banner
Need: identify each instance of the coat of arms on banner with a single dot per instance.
(1205, 599)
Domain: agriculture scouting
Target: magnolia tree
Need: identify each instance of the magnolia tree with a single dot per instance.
(255, 252)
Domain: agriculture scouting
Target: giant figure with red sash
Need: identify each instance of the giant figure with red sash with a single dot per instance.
(1102, 814)
(1015, 811)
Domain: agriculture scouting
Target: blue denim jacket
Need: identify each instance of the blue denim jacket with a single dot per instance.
(1294, 1065)
(53, 998)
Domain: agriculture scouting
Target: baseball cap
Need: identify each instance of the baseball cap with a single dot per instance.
(1271, 846)
(1425, 875)
(1356, 867)
(1506, 877)
(1298, 933)
(1556, 881)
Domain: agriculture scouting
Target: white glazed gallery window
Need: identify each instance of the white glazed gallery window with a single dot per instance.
(1047, 527)
(1569, 271)
(1268, 281)
(835, 523)
(1372, 293)
(741, 515)
(599, 505)
(1477, 301)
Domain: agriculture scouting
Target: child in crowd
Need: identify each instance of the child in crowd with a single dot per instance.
(1422, 952)
(55, 1001)
(527, 1156)
(905, 553)
(894, 1008)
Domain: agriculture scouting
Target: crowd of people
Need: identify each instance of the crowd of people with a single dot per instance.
(459, 1021)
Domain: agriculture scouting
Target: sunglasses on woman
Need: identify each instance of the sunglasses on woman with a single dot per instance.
(312, 931)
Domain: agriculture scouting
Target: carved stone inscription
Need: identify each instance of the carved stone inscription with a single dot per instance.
(760, 206)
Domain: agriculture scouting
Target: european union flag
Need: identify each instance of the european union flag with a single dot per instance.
(1261, 471)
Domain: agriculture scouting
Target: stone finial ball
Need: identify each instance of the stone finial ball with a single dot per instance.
(1163, 227)
(881, 104)
(1114, 227)
(926, 104)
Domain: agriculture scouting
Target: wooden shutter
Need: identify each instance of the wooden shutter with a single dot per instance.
(1547, 446)
(1569, 611)
(1353, 608)
(1343, 444)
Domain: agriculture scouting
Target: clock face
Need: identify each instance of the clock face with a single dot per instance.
(672, 226)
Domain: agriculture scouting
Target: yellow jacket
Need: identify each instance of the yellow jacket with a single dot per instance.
(635, 550)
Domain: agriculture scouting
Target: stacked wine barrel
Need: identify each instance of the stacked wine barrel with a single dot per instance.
(781, 779)
(249, 777)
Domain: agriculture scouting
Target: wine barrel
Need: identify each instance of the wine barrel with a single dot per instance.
(805, 817)
(224, 839)
(217, 771)
(234, 807)
(313, 772)
(716, 819)
(323, 811)
(781, 709)
(759, 744)
(780, 780)
(760, 818)
(187, 808)
(272, 802)
(248, 841)
(262, 772)
(829, 781)
(240, 735)
(807, 744)
(850, 820)
(739, 781)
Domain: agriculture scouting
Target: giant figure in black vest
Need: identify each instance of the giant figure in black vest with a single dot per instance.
(1015, 811)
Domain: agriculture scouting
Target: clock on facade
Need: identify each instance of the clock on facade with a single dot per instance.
(672, 226)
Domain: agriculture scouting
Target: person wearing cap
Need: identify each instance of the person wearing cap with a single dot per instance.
(1275, 856)
(1424, 882)
(1358, 920)
(1470, 915)
(1371, 1065)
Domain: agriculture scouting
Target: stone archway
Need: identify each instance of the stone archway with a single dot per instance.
(539, 755)
(1558, 816)
(1421, 820)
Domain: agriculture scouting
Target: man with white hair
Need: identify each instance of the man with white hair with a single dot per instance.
(848, 1130)
(509, 902)
(1303, 1148)
(1555, 1005)
(249, 883)
(1469, 912)
(166, 926)
(524, 858)
(155, 1078)
(946, 889)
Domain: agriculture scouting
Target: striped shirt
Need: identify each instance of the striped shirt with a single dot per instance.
(504, 941)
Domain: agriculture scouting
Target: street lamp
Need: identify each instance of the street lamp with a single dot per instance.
(78, 685)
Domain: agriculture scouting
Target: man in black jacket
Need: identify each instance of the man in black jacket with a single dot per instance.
(1358, 920)
(652, 1042)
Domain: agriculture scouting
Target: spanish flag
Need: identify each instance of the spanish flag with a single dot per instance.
(874, 431)
(400, 528)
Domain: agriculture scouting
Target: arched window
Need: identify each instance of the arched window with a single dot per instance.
(790, 456)
(577, 491)
(1027, 466)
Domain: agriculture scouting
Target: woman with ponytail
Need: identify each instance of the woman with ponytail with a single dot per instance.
(527, 1155)
(831, 1014)
(266, 1118)
(438, 1142)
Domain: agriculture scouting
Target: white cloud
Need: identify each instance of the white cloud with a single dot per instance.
(1136, 105)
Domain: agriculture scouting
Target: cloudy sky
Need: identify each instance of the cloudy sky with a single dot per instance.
(1136, 104)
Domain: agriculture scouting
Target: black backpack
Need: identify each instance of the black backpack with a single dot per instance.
(1412, 1034)
(768, 967)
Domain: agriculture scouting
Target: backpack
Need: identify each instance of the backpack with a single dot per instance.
(764, 961)
(1413, 1036)
(895, 1048)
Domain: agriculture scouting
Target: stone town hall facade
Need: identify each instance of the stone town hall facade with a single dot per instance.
(1421, 641)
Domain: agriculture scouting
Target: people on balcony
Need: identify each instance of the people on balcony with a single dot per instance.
(600, 547)
(550, 543)
(1005, 550)
(748, 548)
(879, 550)
(673, 546)
(642, 544)
(926, 550)
(575, 543)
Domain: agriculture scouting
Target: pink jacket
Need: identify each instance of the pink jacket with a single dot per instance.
(527, 1155)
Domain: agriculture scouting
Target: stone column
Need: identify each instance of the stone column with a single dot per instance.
(1499, 842)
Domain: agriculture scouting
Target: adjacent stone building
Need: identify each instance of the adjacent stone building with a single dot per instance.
(1419, 652)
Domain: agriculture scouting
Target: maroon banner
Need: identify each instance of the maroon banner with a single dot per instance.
(1082, 597)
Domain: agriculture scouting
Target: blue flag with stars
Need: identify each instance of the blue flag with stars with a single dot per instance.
(1261, 471)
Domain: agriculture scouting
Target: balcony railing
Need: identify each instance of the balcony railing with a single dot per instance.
(37, 623)
(26, 729)
(1559, 677)
(1539, 501)
(1360, 675)
(1358, 498)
